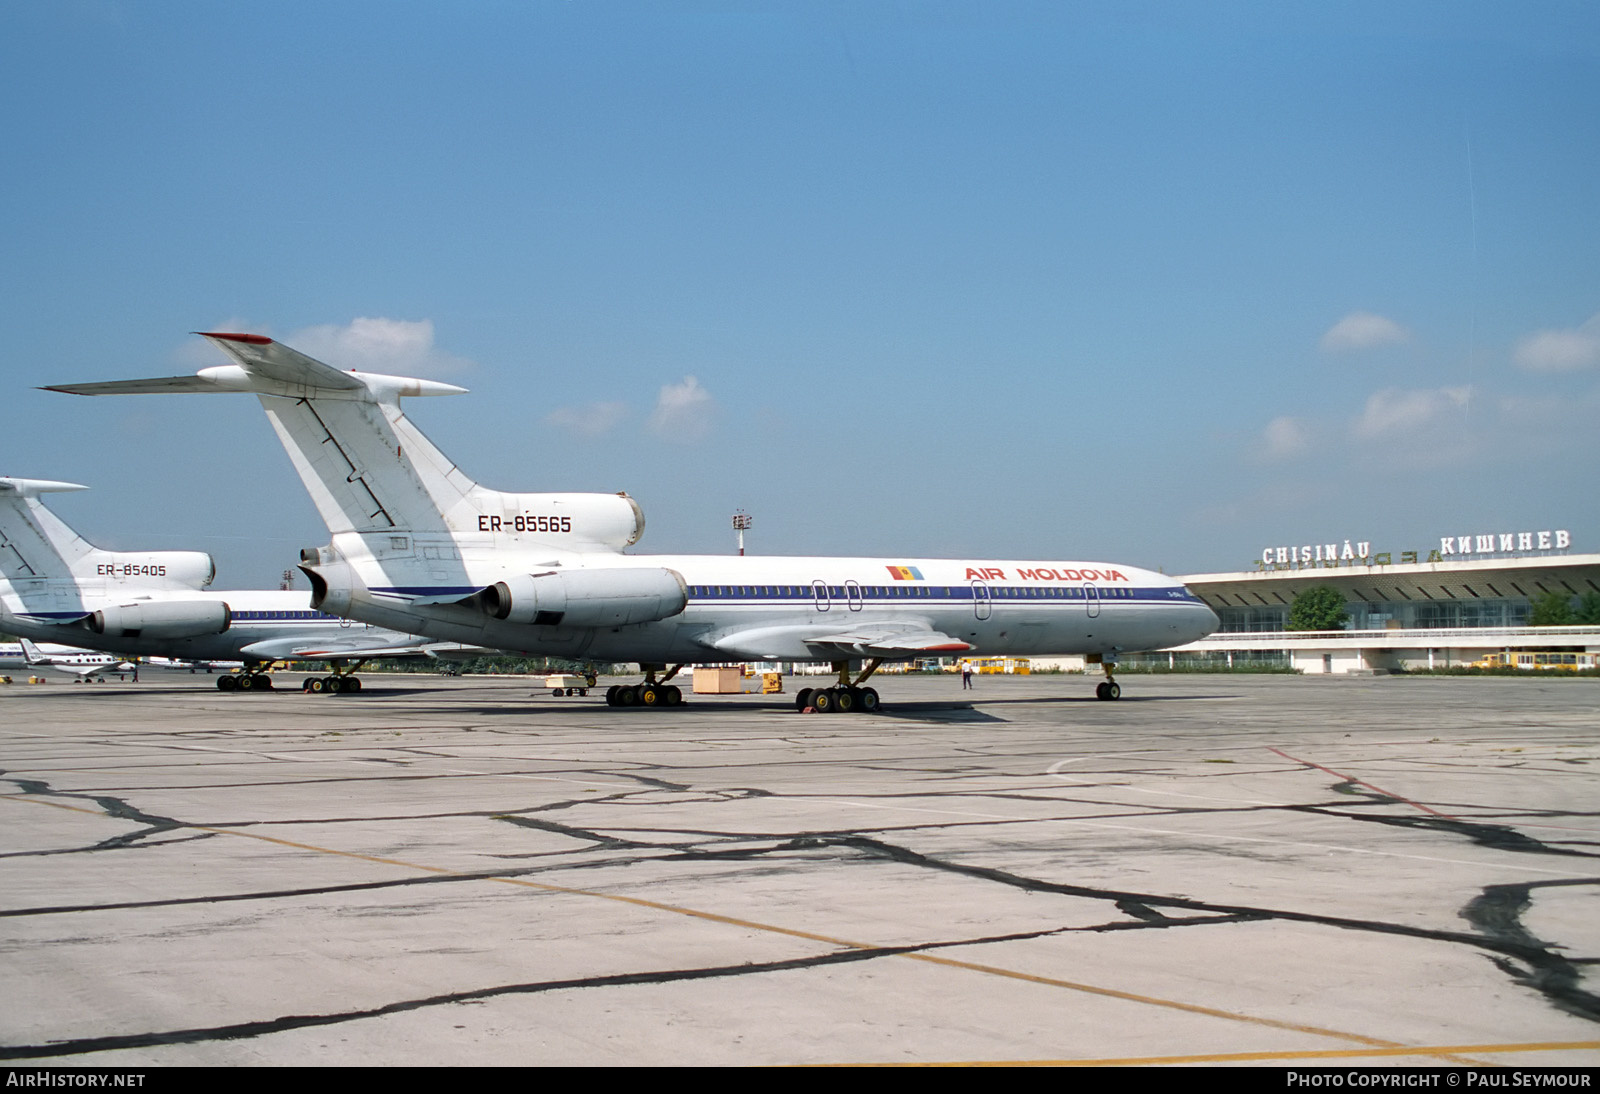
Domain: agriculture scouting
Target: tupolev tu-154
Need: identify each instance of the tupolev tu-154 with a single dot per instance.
(419, 546)
(55, 586)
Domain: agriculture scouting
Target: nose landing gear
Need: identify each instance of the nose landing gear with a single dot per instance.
(1108, 688)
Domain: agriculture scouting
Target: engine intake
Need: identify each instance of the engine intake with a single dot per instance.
(162, 619)
(587, 598)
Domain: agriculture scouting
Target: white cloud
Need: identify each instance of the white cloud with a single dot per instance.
(1560, 350)
(1362, 330)
(366, 344)
(1395, 412)
(1285, 437)
(683, 411)
(589, 420)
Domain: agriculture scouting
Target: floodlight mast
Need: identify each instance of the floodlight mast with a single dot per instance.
(741, 521)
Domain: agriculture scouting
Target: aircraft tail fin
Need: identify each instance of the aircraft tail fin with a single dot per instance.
(366, 467)
(38, 549)
(370, 471)
(34, 542)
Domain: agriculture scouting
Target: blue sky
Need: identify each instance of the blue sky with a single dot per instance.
(1159, 283)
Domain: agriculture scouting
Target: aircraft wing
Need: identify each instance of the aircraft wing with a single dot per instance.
(353, 648)
(97, 670)
(889, 638)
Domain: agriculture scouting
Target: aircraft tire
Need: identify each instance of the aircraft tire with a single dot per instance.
(846, 700)
(1113, 690)
(227, 683)
(869, 701)
(611, 694)
(263, 682)
(825, 700)
(649, 696)
(352, 683)
(803, 699)
(332, 685)
(305, 685)
(627, 696)
(673, 695)
(317, 685)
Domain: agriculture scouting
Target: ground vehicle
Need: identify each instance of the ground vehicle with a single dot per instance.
(1536, 660)
(565, 683)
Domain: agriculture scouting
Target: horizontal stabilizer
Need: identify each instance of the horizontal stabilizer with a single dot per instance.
(75, 615)
(261, 356)
(264, 367)
(160, 385)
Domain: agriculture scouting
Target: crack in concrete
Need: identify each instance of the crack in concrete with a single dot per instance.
(113, 807)
(243, 1030)
(1497, 836)
(1553, 975)
(1497, 912)
(1500, 837)
(609, 842)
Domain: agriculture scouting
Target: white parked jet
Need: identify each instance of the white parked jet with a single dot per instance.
(79, 662)
(55, 586)
(416, 544)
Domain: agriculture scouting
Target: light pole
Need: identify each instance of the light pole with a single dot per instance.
(741, 521)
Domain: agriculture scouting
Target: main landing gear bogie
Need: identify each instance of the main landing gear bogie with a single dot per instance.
(336, 684)
(245, 681)
(644, 695)
(839, 700)
(845, 697)
(651, 694)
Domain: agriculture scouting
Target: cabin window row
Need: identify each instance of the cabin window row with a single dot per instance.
(282, 615)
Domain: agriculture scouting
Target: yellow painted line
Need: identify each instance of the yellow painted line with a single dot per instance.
(1256, 1057)
(1378, 1045)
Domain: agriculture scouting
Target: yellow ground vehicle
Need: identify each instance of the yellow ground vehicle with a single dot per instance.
(1534, 660)
(994, 666)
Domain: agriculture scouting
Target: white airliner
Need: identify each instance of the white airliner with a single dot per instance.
(418, 545)
(55, 586)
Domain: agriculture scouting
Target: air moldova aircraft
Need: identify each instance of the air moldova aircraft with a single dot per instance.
(417, 545)
(57, 587)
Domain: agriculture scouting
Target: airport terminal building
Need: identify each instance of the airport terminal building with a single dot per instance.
(1455, 603)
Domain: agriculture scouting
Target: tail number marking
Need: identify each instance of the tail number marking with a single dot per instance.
(524, 522)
